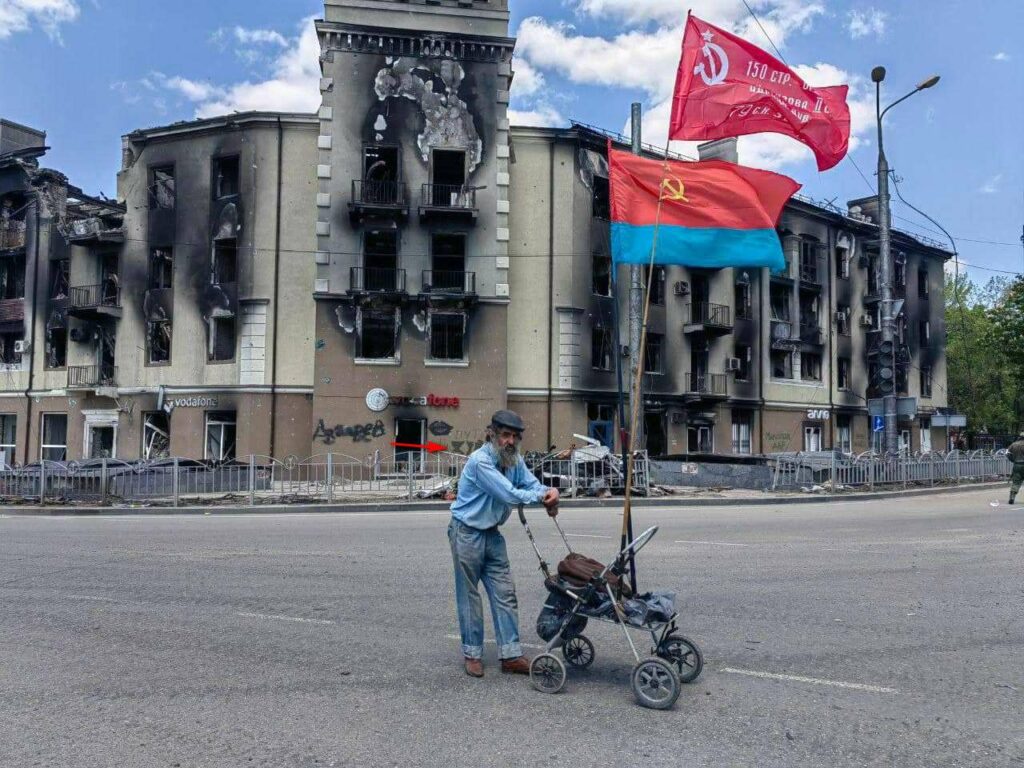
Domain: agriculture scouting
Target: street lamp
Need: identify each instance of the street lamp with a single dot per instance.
(886, 277)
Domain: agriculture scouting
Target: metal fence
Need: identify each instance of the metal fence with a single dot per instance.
(256, 480)
(589, 472)
(833, 470)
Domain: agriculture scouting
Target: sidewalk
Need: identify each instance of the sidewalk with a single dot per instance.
(681, 497)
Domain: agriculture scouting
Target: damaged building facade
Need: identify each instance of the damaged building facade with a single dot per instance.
(401, 264)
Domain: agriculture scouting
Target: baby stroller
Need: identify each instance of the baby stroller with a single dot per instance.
(583, 589)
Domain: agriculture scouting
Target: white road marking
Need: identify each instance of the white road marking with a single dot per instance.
(91, 597)
(715, 543)
(811, 680)
(492, 642)
(276, 617)
(588, 536)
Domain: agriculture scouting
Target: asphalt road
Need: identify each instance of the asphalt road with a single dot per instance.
(884, 633)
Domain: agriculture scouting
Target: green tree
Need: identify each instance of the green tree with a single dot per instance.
(1007, 318)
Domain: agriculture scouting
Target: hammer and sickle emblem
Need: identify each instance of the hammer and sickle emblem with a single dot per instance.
(673, 189)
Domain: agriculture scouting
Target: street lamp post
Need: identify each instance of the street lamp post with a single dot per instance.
(884, 246)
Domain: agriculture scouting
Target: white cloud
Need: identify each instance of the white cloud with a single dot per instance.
(540, 116)
(20, 15)
(260, 36)
(1001, 56)
(868, 22)
(991, 187)
(527, 80)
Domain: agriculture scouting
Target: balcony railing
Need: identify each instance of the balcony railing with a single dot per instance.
(379, 193)
(454, 196)
(94, 296)
(92, 376)
(705, 313)
(376, 280)
(435, 281)
(13, 235)
(707, 384)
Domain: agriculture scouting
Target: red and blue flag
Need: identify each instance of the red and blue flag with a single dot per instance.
(713, 213)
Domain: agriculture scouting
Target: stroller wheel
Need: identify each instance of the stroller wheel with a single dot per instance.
(655, 683)
(578, 651)
(547, 673)
(684, 655)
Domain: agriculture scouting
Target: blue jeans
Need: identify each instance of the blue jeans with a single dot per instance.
(481, 556)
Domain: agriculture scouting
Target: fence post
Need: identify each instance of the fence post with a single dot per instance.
(252, 480)
(42, 482)
(174, 482)
(103, 481)
(871, 473)
(957, 467)
(832, 470)
(931, 470)
(330, 478)
(906, 470)
(408, 465)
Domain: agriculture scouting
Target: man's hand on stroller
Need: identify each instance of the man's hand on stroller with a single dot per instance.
(550, 501)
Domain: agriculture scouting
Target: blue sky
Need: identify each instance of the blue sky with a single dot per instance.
(88, 71)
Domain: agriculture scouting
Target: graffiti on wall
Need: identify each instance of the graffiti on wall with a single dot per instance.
(778, 441)
(360, 433)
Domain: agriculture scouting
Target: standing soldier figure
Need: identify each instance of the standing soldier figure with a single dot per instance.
(1016, 454)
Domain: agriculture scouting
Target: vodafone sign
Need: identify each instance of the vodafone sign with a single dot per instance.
(378, 400)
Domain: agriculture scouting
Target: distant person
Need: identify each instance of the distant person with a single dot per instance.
(1016, 455)
(494, 479)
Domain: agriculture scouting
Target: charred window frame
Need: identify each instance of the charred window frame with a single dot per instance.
(159, 334)
(844, 434)
(8, 355)
(53, 442)
(742, 300)
(12, 276)
(657, 282)
(8, 438)
(602, 205)
(448, 260)
(377, 336)
(602, 349)
(221, 433)
(922, 283)
(221, 339)
(382, 163)
(162, 188)
(842, 256)
(156, 435)
(224, 264)
(446, 336)
(601, 282)
(742, 430)
(60, 275)
(161, 269)
(843, 373)
(926, 381)
(810, 366)
(227, 174)
(782, 364)
(924, 332)
(654, 349)
(743, 353)
(843, 319)
(56, 347)
(780, 298)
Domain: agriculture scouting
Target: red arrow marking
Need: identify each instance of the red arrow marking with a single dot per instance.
(429, 447)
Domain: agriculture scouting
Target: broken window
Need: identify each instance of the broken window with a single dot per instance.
(601, 423)
(110, 282)
(8, 437)
(809, 261)
(657, 283)
(602, 347)
(220, 339)
(779, 297)
(380, 260)
(922, 283)
(601, 284)
(161, 268)
(161, 188)
(378, 335)
(741, 298)
(220, 435)
(448, 177)
(156, 435)
(158, 342)
(448, 261)
(225, 255)
(380, 184)
(225, 177)
(59, 274)
(842, 263)
(54, 443)
(782, 364)
(602, 208)
(56, 347)
(810, 366)
(9, 343)
(447, 335)
(843, 373)
(843, 319)
(12, 277)
(742, 352)
(653, 353)
(926, 381)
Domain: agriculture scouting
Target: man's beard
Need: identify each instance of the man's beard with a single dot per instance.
(508, 456)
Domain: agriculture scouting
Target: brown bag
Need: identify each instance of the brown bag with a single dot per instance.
(579, 569)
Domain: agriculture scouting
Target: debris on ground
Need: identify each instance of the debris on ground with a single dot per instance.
(589, 468)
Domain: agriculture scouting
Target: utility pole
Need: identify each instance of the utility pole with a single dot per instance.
(636, 298)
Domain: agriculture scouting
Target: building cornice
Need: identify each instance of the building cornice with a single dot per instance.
(353, 38)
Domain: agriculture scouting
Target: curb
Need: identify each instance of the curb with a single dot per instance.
(441, 506)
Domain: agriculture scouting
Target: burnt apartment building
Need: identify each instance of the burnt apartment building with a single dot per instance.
(174, 321)
(737, 361)
(412, 224)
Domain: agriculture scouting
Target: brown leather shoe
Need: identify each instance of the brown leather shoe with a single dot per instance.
(474, 667)
(520, 666)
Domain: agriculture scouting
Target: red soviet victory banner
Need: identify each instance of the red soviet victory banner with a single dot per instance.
(726, 86)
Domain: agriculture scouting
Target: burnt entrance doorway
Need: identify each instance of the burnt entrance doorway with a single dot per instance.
(410, 432)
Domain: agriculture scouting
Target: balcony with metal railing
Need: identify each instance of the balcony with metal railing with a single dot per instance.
(378, 198)
(12, 235)
(704, 386)
(91, 376)
(91, 301)
(448, 284)
(376, 280)
(705, 317)
(448, 202)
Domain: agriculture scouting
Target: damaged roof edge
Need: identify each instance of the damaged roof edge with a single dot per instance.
(221, 122)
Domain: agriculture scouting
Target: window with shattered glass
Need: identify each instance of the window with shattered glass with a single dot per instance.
(158, 342)
(156, 435)
(378, 335)
(162, 188)
(447, 335)
(220, 435)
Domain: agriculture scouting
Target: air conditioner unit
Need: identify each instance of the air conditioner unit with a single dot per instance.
(681, 288)
(21, 346)
(866, 321)
(732, 364)
(678, 417)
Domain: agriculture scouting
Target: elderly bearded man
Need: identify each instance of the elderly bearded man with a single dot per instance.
(495, 478)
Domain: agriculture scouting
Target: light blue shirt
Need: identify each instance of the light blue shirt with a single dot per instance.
(487, 493)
